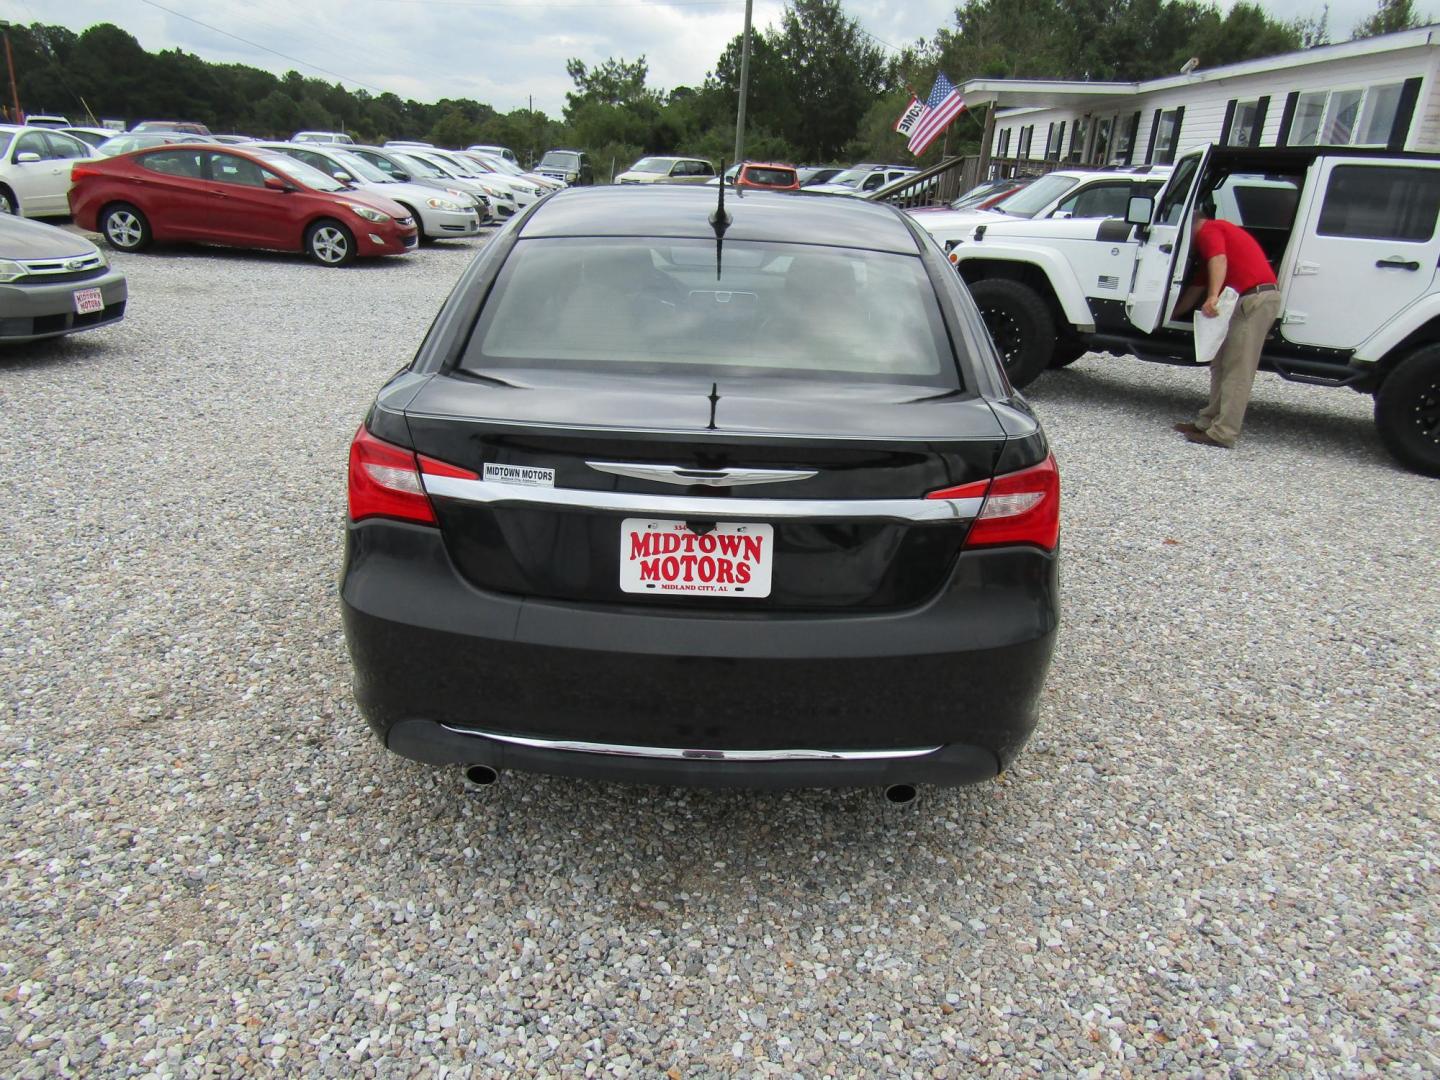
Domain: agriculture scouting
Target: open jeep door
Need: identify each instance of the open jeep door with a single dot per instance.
(1165, 249)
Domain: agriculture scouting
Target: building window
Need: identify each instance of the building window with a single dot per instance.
(1004, 144)
(1377, 202)
(1027, 136)
(1078, 133)
(1098, 153)
(1377, 118)
(1244, 125)
(1056, 144)
(1340, 117)
(1354, 117)
(1168, 136)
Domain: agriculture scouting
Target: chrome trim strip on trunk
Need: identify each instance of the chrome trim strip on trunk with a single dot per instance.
(688, 477)
(674, 753)
(700, 507)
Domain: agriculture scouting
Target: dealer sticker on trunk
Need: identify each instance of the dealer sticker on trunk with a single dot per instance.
(523, 475)
(730, 559)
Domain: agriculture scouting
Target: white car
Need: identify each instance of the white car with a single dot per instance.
(496, 151)
(522, 191)
(546, 184)
(861, 180)
(92, 135)
(1065, 193)
(438, 214)
(35, 170)
(416, 162)
(667, 170)
(322, 137)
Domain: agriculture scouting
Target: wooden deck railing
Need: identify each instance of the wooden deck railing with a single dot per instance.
(944, 183)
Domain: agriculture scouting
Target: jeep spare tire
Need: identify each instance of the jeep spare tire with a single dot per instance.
(1020, 324)
(1407, 411)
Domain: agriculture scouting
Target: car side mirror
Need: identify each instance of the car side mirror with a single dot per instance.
(403, 177)
(274, 183)
(1061, 215)
(26, 157)
(1140, 210)
(343, 177)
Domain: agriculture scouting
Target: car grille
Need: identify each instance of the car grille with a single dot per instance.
(67, 268)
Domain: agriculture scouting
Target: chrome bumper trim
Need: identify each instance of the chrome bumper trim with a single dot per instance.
(700, 507)
(671, 753)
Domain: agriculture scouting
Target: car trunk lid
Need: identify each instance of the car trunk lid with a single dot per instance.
(571, 468)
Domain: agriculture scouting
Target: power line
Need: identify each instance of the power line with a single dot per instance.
(265, 48)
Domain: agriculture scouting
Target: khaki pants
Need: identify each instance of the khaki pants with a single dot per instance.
(1232, 372)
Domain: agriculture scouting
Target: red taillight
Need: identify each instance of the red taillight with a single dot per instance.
(81, 168)
(385, 480)
(1020, 507)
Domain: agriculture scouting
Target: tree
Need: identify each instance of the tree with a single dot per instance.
(612, 82)
(1313, 30)
(1390, 15)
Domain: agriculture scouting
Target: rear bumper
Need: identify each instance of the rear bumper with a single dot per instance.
(442, 669)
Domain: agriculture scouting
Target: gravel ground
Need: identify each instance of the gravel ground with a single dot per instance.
(1217, 858)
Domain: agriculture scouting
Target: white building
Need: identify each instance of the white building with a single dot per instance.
(1382, 92)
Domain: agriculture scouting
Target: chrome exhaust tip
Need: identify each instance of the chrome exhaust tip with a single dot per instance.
(898, 795)
(480, 779)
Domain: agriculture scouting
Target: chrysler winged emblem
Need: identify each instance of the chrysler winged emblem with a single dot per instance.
(686, 477)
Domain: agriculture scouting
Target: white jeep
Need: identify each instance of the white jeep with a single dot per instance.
(1354, 239)
(1065, 193)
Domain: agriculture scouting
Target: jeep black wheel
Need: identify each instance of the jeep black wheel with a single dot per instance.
(1407, 411)
(1020, 324)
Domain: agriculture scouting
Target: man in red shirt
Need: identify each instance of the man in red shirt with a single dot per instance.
(1229, 256)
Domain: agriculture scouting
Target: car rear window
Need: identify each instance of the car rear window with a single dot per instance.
(777, 177)
(656, 306)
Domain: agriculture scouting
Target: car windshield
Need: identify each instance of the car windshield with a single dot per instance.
(777, 177)
(421, 167)
(1030, 200)
(298, 171)
(561, 159)
(655, 306)
(653, 165)
(359, 168)
(851, 177)
(503, 165)
(5, 138)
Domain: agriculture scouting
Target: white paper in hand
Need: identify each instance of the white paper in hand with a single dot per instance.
(1210, 333)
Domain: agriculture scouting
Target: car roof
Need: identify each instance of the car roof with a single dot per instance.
(768, 165)
(680, 211)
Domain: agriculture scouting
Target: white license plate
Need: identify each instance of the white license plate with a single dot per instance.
(88, 301)
(733, 559)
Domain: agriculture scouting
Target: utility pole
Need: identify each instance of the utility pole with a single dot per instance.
(18, 117)
(744, 86)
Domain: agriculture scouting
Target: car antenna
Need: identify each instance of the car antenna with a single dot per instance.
(720, 221)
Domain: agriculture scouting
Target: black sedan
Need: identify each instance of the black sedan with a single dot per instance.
(680, 494)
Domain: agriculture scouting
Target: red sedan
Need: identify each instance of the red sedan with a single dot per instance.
(236, 196)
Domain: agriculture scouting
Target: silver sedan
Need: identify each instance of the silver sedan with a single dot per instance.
(54, 282)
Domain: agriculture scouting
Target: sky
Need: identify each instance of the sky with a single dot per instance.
(497, 51)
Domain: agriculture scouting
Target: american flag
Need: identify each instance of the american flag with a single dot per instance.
(942, 106)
